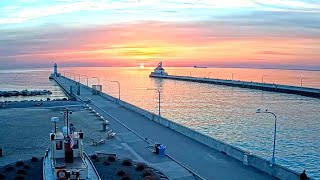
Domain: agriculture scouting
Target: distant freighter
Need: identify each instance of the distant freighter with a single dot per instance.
(199, 66)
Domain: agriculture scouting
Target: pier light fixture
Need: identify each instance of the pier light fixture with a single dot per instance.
(74, 76)
(262, 78)
(118, 87)
(98, 79)
(275, 131)
(67, 74)
(301, 79)
(87, 79)
(232, 75)
(78, 77)
(159, 100)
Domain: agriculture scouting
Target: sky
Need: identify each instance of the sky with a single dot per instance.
(214, 33)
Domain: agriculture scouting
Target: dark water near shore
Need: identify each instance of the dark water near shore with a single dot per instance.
(225, 113)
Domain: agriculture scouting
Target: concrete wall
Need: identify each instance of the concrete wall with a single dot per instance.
(304, 91)
(246, 157)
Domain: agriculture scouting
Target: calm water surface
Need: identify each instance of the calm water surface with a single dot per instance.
(30, 80)
(225, 113)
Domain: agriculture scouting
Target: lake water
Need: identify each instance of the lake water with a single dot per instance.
(225, 113)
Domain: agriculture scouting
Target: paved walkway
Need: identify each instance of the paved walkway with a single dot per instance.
(205, 161)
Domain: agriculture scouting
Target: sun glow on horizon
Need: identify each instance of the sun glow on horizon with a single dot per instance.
(141, 66)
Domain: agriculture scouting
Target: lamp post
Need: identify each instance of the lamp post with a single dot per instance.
(78, 76)
(275, 132)
(262, 78)
(98, 79)
(209, 74)
(118, 86)
(232, 75)
(301, 82)
(190, 73)
(74, 76)
(87, 79)
(159, 107)
(68, 74)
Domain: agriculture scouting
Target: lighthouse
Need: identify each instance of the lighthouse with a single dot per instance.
(159, 70)
(55, 72)
(55, 69)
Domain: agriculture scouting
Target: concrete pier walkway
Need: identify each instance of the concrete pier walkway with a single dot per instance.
(304, 91)
(201, 159)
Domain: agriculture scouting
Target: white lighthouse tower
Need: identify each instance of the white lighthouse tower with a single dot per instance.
(55, 72)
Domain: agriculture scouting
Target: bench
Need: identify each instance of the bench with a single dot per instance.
(110, 134)
(96, 143)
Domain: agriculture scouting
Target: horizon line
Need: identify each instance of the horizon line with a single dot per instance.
(222, 67)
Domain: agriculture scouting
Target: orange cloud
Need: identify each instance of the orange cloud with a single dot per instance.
(177, 43)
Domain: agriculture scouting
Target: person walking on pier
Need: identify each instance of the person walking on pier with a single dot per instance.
(303, 176)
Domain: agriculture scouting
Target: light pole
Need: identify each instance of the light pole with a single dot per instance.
(98, 80)
(78, 76)
(190, 73)
(262, 78)
(87, 79)
(74, 76)
(68, 74)
(159, 107)
(275, 131)
(301, 82)
(209, 74)
(118, 86)
(232, 75)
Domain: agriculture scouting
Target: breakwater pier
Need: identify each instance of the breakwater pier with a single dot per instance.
(304, 91)
(204, 155)
(24, 93)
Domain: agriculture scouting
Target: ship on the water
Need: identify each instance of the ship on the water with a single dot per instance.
(65, 157)
(200, 66)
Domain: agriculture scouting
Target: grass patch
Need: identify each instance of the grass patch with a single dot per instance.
(9, 168)
(19, 163)
(126, 178)
(19, 178)
(152, 178)
(34, 159)
(26, 166)
(94, 157)
(106, 163)
(2, 176)
(21, 171)
(127, 162)
(112, 158)
(147, 172)
(141, 166)
(121, 173)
